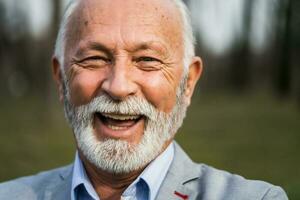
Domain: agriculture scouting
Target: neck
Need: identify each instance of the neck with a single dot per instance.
(109, 186)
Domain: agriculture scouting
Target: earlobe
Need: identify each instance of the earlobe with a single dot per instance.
(194, 73)
(57, 76)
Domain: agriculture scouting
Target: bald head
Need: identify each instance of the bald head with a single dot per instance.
(79, 15)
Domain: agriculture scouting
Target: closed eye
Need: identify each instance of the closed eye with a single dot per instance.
(147, 63)
(95, 58)
(93, 62)
(147, 59)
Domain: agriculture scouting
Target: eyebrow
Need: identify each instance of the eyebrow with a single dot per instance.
(94, 46)
(152, 45)
(99, 47)
(156, 46)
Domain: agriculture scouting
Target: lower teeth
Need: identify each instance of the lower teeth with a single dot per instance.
(115, 127)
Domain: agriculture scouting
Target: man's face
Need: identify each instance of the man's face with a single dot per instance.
(123, 49)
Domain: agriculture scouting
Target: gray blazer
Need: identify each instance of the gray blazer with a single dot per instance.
(185, 180)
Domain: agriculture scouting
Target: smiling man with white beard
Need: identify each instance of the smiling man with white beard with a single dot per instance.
(118, 156)
(125, 72)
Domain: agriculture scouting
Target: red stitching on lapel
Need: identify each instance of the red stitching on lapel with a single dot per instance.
(183, 196)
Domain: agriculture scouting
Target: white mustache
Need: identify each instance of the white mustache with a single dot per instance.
(130, 106)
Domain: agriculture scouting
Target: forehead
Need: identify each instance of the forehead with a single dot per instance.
(130, 19)
(117, 9)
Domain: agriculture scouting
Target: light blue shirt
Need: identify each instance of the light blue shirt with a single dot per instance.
(145, 187)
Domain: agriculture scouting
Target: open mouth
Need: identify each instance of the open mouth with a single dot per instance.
(118, 122)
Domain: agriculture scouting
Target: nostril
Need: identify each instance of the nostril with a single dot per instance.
(114, 97)
(119, 87)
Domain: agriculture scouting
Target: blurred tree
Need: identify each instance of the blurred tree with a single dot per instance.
(57, 9)
(3, 39)
(14, 59)
(296, 46)
(3, 44)
(283, 80)
(239, 73)
(56, 16)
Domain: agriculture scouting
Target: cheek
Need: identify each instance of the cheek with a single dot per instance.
(83, 87)
(159, 92)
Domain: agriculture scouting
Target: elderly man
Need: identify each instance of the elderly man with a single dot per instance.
(126, 71)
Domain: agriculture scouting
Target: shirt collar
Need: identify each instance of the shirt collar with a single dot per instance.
(152, 176)
(80, 178)
(155, 172)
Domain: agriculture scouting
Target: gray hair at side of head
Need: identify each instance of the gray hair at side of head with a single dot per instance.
(189, 40)
(188, 36)
(60, 43)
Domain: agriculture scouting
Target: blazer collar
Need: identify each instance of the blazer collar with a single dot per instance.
(182, 172)
(61, 187)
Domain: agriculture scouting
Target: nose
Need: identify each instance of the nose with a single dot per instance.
(119, 84)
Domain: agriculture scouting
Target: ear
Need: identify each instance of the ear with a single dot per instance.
(57, 76)
(194, 73)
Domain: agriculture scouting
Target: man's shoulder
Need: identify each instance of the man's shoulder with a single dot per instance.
(216, 182)
(34, 186)
(206, 182)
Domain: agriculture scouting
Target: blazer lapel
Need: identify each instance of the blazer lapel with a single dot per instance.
(180, 180)
(60, 189)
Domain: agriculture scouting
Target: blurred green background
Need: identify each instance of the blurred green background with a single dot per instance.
(245, 114)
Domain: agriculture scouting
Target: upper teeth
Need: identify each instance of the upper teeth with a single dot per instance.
(121, 117)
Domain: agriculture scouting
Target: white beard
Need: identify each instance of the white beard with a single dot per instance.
(119, 156)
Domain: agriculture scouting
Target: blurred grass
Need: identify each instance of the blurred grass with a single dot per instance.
(252, 135)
